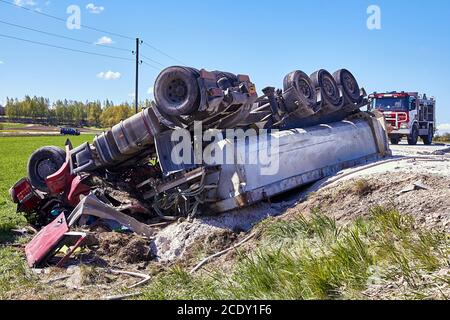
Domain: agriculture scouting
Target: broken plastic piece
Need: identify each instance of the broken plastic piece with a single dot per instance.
(92, 206)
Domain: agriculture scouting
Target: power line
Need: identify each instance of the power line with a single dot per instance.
(163, 53)
(64, 20)
(94, 29)
(65, 48)
(63, 37)
(152, 60)
(150, 65)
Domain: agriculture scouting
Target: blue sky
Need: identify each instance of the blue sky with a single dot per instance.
(265, 39)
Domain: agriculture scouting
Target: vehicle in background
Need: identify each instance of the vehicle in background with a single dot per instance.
(407, 114)
(70, 132)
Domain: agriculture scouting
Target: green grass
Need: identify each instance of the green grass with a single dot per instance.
(316, 259)
(14, 274)
(7, 125)
(14, 154)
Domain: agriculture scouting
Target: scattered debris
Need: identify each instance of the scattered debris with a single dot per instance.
(123, 296)
(145, 277)
(415, 186)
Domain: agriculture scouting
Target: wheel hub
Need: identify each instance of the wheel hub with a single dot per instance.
(46, 168)
(305, 89)
(328, 87)
(177, 91)
(349, 83)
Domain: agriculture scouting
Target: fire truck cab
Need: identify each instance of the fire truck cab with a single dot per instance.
(407, 114)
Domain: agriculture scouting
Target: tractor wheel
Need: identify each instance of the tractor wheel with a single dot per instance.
(395, 140)
(414, 136)
(428, 140)
(43, 163)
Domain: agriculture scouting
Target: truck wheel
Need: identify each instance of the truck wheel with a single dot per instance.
(395, 141)
(177, 92)
(349, 85)
(330, 92)
(303, 84)
(414, 136)
(428, 140)
(43, 163)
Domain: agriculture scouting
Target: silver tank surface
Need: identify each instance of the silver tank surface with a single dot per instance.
(305, 156)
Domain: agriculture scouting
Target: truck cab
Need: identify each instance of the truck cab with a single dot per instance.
(408, 115)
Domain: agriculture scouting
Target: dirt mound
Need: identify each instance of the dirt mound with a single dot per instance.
(219, 241)
(350, 199)
(122, 248)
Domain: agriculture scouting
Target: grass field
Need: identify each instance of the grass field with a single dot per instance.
(7, 126)
(14, 154)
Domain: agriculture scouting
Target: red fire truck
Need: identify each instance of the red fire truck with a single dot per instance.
(407, 114)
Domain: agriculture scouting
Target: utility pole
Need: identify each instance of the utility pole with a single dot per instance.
(138, 62)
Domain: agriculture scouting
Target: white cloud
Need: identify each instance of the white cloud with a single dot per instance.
(104, 41)
(150, 91)
(23, 3)
(92, 8)
(1, 62)
(109, 75)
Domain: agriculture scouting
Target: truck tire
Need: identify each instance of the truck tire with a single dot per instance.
(331, 97)
(414, 136)
(43, 163)
(349, 85)
(177, 92)
(304, 87)
(395, 140)
(428, 140)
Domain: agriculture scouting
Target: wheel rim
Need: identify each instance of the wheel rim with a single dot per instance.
(177, 91)
(305, 89)
(329, 87)
(46, 168)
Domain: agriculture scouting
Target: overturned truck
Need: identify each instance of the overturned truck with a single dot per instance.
(209, 144)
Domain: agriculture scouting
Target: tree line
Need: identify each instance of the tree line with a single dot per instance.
(69, 112)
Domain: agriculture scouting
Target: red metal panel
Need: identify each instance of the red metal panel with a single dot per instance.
(60, 180)
(46, 241)
(77, 189)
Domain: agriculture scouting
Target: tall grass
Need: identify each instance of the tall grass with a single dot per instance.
(314, 258)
